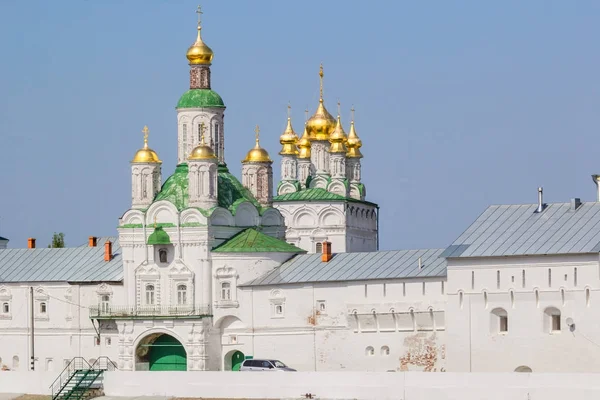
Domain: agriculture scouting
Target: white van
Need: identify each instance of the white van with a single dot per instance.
(264, 365)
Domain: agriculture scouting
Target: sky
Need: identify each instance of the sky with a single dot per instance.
(459, 104)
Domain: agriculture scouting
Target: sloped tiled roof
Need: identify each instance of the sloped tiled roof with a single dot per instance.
(357, 267)
(251, 241)
(74, 264)
(512, 230)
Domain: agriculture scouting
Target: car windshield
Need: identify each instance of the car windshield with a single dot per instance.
(278, 364)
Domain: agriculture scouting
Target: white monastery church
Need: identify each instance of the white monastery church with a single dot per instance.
(206, 271)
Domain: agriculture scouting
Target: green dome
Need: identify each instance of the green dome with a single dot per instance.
(159, 236)
(199, 98)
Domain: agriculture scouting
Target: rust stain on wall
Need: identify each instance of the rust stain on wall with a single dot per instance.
(423, 353)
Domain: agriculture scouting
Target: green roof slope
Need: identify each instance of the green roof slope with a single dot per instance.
(316, 194)
(252, 241)
(230, 191)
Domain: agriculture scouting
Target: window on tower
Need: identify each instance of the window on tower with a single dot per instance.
(184, 140)
(217, 139)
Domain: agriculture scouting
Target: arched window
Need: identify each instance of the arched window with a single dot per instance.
(5, 308)
(319, 247)
(523, 368)
(587, 297)
(15, 363)
(279, 309)
(162, 255)
(552, 323)
(150, 295)
(499, 321)
(549, 277)
(537, 298)
(184, 141)
(181, 295)
(369, 351)
(497, 279)
(385, 351)
(460, 299)
(217, 139)
(225, 291)
(523, 278)
(105, 303)
(43, 307)
(472, 280)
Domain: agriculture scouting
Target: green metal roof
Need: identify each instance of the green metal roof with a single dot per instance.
(252, 241)
(230, 192)
(317, 194)
(200, 98)
(159, 236)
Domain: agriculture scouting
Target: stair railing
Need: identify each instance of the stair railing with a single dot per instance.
(77, 363)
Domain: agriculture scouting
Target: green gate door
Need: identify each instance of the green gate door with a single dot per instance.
(236, 360)
(167, 354)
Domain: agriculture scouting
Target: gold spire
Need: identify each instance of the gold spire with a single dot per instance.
(304, 145)
(289, 138)
(199, 53)
(146, 154)
(354, 143)
(321, 124)
(202, 151)
(257, 154)
(338, 136)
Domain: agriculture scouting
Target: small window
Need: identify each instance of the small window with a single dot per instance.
(404, 289)
(442, 287)
(472, 280)
(149, 295)
(552, 323)
(15, 363)
(108, 341)
(319, 247)
(556, 323)
(423, 289)
(5, 308)
(549, 277)
(225, 291)
(575, 277)
(504, 323)
(321, 306)
(369, 351)
(181, 295)
(43, 308)
(162, 255)
(497, 279)
(587, 297)
(384, 290)
(385, 351)
(523, 278)
(460, 299)
(499, 321)
(366, 290)
(279, 309)
(485, 300)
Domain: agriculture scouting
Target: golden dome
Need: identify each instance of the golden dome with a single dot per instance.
(288, 139)
(202, 151)
(321, 124)
(257, 154)
(338, 138)
(354, 143)
(304, 145)
(146, 154)
(199, 53)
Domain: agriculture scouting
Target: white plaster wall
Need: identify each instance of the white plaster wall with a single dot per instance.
(472, 342)
(354, 385)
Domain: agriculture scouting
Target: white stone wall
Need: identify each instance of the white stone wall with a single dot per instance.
(527, 289)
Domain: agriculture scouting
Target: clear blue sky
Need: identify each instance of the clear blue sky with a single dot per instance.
(459, 104)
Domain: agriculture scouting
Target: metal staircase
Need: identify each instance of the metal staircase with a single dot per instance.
(78, 380)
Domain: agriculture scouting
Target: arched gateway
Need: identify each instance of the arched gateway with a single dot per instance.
(160, 352)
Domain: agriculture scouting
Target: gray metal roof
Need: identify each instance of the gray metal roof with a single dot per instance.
(356, 267)
(75, 264)
(511, 230)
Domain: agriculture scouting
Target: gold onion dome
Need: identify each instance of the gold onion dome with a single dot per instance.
(338, 138)
(199, 53)
(304, 145)
(354, 143)
(146, 154)
(202, 151)
(257, 154)
(288, 139)
(321, 124)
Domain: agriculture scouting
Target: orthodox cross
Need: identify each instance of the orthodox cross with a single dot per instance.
(199, 12)
(289, 109)
(321, 79)
(257, 131)
(145, 131)
(339, 105)
(352, 111)
(202, 130)
(305, 115)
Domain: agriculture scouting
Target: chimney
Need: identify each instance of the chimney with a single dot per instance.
(420, 263)
(31, 243)
(326, 255)
(596, 179)
(108, 251)
(575, 203)
(93, 241)
(540, 206)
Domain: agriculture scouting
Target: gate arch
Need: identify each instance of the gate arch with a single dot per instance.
(160, 352)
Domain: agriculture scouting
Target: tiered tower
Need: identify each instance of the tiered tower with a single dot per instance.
(202, 164)
(289, 159)
(257, 173)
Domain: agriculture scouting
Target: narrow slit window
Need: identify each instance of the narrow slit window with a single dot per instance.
(384, 290)
(472, 280)
(404, 289)
(549, 277)
(575, 277)
(366, 291)
(442, 287)
(497, 279)
(523, 279)
(423, 288)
